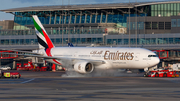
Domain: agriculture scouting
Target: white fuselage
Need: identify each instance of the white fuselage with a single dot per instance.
(130, 58)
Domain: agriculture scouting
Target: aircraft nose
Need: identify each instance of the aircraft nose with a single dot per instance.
(154, 61)
(157, 60)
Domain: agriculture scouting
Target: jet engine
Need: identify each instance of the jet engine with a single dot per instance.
(83, 67)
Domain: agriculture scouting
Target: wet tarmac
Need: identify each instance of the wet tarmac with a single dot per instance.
(50, 86)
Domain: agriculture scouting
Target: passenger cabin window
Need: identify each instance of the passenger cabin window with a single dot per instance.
(152, 55)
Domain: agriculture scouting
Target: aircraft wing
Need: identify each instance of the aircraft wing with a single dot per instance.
(28, 52)
(30, 55)
(96, 62)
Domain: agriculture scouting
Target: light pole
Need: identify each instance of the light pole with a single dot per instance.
(69, 21)
(129, 28)
(129, 25)
(136, 24)
(62, 23)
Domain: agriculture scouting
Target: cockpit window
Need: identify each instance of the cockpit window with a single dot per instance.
(152, 55)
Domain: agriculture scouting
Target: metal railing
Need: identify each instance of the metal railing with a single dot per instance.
(55, 31)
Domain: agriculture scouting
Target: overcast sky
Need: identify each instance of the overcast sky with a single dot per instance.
(8, 4)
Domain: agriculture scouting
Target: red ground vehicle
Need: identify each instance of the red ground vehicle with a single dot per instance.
(10, 74)
(162, 73)
(30, 67)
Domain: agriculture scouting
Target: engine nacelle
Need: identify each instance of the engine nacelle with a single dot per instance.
(83, 67)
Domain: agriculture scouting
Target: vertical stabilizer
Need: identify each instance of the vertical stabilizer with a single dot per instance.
(42, 36)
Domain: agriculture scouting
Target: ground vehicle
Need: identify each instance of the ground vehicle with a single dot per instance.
(9, 74)
(30, 67)
(162, 73)
(5, 68)
(176, 66)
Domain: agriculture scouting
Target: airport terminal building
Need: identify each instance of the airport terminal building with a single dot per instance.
(153, 25)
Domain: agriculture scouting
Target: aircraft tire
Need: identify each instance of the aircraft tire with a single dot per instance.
(164, 75)
(145, 75)
(156, 75)
(13, 76)
(2, 76)
(17, 76)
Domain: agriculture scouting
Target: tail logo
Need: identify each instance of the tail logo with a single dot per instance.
(42, 36)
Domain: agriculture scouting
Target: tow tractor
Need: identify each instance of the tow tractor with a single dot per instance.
(162, 73)
(7, 74)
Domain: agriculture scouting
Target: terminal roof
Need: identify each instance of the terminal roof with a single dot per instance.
(84, 7)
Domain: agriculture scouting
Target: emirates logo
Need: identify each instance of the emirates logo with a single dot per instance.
(79, 67)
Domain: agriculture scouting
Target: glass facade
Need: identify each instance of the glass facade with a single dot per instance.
(175, 22)
(96, 16)
(86, 34)
(74, 17)
(144, 41)
(140, 41)
(171, 9)
(54, 31)
(140, 25)
(31, 39)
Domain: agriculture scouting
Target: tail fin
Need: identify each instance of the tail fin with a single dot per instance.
(42, 36)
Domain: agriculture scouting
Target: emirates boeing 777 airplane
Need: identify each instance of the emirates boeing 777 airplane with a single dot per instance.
(86, 59)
